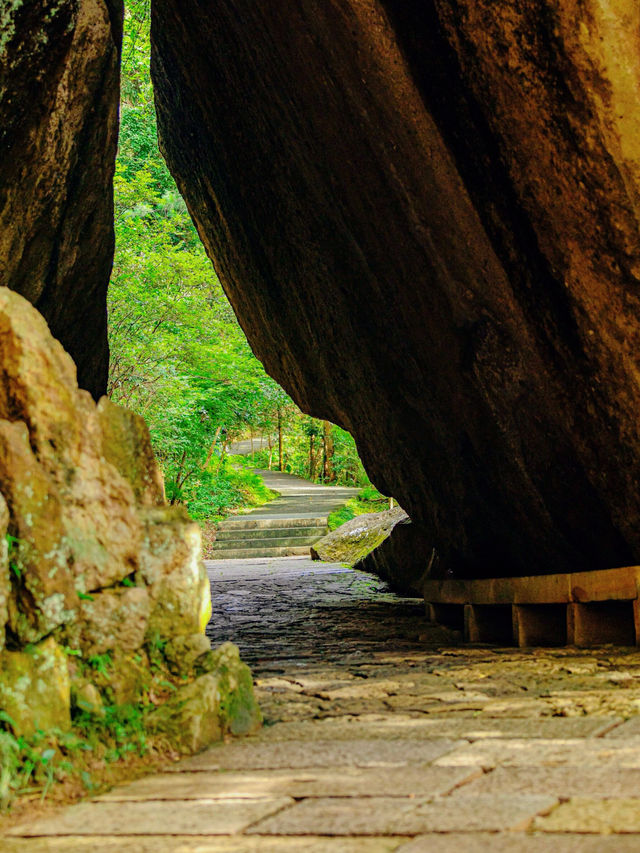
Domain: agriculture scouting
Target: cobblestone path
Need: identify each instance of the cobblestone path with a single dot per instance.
(383, 733)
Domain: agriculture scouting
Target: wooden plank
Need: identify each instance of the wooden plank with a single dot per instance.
(540, 624)
(600, 622)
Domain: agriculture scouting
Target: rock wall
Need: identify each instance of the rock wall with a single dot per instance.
(425, 214)
(94, 566)
(59, 94)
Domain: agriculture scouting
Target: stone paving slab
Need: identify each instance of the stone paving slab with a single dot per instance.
(518, 842)
(379, 723)
(191, 844)
(406, 781)
(584, 814)
(392, 726)
(391, 816)
(196, 817)
(546, 753)
(300, 754)
(630, 728)
(563, 781)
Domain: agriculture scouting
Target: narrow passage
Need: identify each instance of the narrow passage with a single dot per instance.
(382, 733)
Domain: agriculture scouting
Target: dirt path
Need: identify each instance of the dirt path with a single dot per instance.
(382, 734)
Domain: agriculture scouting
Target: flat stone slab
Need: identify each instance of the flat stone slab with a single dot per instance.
(584, 814)
(565, 781)
(546, 753)
(391, 816)
(195, 817)
(189, 844)
(398, 725)
(299, 754)
(334, 782)
(518, 842)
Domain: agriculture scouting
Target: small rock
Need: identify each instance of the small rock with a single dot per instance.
(85, 696)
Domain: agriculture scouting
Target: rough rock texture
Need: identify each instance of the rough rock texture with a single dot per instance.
(93, 566)
(217, 703)
(35, 688)
(426, 217)
(352, 541)
(59, 91)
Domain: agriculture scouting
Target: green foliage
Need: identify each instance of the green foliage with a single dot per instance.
(121, 729)
(178, 355)
(368, 500)
(303, 437)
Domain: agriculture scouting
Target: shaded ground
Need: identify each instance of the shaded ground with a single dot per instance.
(383, 734)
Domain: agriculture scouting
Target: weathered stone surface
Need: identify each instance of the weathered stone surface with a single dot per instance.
(113, 618)
(443, 198)
(126, 444)
(352, 541)
(35, 688)
(192, 818)
(58, 136)
(171, 565)
(75, 517)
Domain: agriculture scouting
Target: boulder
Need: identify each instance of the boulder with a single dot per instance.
(426, 216)
(35, 688)
(58, 134)
(354, 539)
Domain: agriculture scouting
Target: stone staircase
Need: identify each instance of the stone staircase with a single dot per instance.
(286, 526)
(243, 538)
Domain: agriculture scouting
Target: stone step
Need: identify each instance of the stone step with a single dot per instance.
(236, 533)
(250, 553)
(265, 542)
(253, 523)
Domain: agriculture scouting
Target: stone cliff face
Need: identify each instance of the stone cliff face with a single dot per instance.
(426, 217)
(59, 93)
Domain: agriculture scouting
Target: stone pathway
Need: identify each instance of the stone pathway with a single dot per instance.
(286, 526)
(384, 734)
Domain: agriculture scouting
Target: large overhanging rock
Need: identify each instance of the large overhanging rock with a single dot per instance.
(425, 213)
(59, 93)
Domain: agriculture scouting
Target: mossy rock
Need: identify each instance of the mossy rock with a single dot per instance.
(352, 541)
(219, 702)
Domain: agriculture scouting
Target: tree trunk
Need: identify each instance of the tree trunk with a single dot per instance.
(279, 438)
(212, 448)
(328, 474)
(312, 458)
